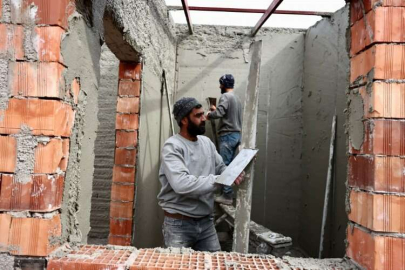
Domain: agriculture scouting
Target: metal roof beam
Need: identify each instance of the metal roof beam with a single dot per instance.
(187, 13)
(250, 10)
(270, 10)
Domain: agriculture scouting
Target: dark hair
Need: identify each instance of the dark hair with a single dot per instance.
(188, 115)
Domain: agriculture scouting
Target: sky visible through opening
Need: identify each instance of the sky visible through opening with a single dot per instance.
(250, 19)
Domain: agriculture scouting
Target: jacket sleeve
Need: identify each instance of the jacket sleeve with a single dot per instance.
(221, 109)
(179, 177)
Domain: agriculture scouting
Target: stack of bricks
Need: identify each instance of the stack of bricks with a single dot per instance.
(126, 125)
(376, 232)
(36, 118)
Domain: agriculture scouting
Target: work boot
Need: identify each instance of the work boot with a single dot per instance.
(224, 199)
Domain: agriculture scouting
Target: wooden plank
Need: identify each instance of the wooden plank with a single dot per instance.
(249, 126)
(169, 105)
(187, 14)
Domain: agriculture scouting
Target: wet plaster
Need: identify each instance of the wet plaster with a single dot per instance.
(355, 119)
(6, 262)
(213, 51)
(326, 84)
(81, 51)
(4, 91)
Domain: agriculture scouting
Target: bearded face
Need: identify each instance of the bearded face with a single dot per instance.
(194, 129)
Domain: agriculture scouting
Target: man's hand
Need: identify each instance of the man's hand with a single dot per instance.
(240, 179)
(212, 108)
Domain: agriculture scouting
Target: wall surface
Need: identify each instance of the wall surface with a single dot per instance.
(214, 51)
(134, 31)
(326, 80)
(104, 147)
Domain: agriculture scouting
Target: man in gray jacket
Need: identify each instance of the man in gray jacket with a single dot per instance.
(189, 166)
(229, 112)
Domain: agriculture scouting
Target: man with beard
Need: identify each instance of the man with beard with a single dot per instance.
(189, 166)
(229, 111)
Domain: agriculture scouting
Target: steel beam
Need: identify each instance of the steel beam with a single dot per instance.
(187, 13)
(250, 10)
(273, 6)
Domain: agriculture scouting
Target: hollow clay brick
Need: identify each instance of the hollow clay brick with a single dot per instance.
(383, 24)
(11, 41)
(121, 210)
(130, 70)
(121, 227)
(126, 121)
(119, 240)
(48, 43)
(33, 79)
(379, 62)
(50, 156)
(382, 137)
(129, 88)
(42, 194)
(8, 153)
(120, 192)
(126, 139)
(128, 104)
(377, 212)
(377, 173)
(55, 12)
(384, 100)
(32, 236)
(360, 7)
(44, 117)
(125, 156)
(5, 222)
(373, 251)
(123, 174)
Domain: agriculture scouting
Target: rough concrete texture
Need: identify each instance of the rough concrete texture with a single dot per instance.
(104, 148)
(6, 11)
(6, 262)
(355, 119)
(4, 92)
(147, 29)
(326, 80)
(213, 51)
(26, 144)
(81, 50)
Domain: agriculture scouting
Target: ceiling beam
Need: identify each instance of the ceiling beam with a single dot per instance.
(250, 10)
(187, 13)
(270, 10)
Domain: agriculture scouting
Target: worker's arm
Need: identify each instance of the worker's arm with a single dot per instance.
(221, 109)
(179, 177)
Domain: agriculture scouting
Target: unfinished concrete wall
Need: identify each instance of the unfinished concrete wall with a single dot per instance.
(214, 51)
(326, 81)
(140, 31)
(104, 147)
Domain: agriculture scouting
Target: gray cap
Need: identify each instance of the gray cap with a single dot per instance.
(183, 106)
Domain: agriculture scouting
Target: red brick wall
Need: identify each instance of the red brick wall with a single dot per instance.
(123, 186)
(41, 107)
(376, 231)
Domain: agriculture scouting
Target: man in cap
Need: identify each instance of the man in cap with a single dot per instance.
(229, 111)
(189, 166)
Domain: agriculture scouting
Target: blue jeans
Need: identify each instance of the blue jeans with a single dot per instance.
(198, 234)
(227, 147)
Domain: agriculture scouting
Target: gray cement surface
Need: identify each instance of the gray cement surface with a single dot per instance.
(326, 75)
(81, 52)
(104, 147)
(213, 51)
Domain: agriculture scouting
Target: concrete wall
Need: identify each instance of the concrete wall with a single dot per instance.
(104, 147)
(134, 31)
(213, 51)
(326, 79)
